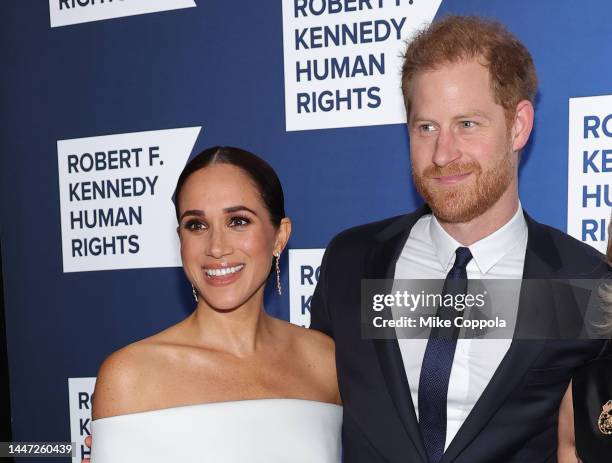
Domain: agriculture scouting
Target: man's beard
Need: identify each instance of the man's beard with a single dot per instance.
(462, 203)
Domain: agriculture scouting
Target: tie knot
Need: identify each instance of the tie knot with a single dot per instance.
(463, 257)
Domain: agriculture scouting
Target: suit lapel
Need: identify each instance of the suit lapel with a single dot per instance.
(381, 265)
(541, 261)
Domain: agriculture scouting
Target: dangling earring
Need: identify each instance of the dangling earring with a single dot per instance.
(194, 292)
(278, 283)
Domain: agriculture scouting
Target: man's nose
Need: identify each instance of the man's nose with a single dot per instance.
(446, 148)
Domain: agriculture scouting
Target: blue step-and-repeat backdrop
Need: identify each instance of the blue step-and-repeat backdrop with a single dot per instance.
(103, 103)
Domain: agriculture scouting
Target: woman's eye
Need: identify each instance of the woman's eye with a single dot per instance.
(195, 225)
(239, 222)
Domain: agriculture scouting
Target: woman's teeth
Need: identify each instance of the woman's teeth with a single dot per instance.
(218, 272)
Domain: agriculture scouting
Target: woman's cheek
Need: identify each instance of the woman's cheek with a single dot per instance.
(191, 248)
(257, 245)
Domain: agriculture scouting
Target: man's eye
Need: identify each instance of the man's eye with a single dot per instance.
(426, 127)
(239, 221)
(195, 225)
(468, 124)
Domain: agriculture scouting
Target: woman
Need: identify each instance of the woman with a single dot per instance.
(585, 417)
(228, 383)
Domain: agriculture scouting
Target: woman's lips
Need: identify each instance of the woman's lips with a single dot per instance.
(220, 276)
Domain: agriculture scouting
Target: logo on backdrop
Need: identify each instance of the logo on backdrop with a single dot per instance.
(304, 267)
(79, 394)
(66, 12)
(589, 183)
(116, 199)
(343, 60)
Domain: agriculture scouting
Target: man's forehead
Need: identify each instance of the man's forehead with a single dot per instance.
(454, 81)
(462, 113)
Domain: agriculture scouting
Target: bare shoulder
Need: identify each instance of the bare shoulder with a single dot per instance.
(318, 352)
(310, 342)
(318, 344)
(121, 380)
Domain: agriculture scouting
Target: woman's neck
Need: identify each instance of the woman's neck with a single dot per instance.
(240, 331)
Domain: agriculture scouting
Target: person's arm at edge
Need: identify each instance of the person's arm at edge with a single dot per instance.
(566, 450)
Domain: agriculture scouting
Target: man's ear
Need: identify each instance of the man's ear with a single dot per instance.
(522, 124)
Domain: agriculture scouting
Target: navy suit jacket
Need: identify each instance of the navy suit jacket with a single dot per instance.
(515, 419)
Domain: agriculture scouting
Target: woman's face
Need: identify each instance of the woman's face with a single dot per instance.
(227, 238)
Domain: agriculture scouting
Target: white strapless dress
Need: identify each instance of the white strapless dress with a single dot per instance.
(254, 431)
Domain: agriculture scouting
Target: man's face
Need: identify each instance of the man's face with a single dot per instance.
(461, 150)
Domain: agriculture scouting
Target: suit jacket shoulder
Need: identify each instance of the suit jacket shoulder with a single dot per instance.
(360, 238)
(345, 262)
(572, 257)
(362, 234)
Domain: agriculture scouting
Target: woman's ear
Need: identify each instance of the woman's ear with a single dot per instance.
(282, 235)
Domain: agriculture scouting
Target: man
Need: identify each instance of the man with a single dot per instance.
(469, 89)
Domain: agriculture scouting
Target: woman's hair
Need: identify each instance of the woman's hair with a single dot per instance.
(263, 176)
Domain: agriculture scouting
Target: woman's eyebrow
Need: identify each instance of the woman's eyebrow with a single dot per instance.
(192, 212)
(229, 210)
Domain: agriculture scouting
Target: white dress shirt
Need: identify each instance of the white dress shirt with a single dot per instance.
(429, 253)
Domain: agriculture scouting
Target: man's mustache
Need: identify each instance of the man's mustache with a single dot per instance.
(458, 168)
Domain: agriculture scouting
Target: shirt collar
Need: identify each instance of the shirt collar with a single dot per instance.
(486, 252)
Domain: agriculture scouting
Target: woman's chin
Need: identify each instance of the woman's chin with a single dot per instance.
(220, 304)
(231, 302)
(231, 296)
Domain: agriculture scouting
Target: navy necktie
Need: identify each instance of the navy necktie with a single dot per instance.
(438, 361)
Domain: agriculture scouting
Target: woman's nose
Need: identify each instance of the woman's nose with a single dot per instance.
(219, 244)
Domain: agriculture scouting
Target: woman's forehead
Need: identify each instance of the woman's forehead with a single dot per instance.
(220, 183)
